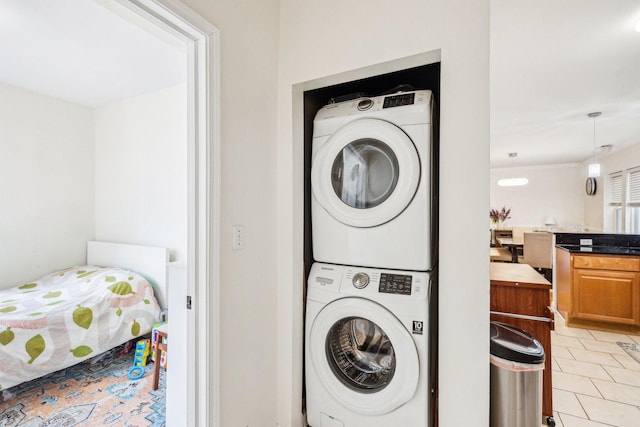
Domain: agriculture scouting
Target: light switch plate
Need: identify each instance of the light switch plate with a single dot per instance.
(586, 242)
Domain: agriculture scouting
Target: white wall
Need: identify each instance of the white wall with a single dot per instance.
(46, 185)
(141, 171)
(556, 191)
(559, 191)
(319, 39)
(249, 347)
(597, 214)
(620, 160)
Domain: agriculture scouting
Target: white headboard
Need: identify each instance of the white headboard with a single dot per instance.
(148, 261)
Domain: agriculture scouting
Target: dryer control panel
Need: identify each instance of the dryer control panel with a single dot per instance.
(398, 100)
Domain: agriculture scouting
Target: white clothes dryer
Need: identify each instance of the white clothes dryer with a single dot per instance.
(371, 182)
(366, 347)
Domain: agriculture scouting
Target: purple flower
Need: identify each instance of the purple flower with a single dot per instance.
(499, 215)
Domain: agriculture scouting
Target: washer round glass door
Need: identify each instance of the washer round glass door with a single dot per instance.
(363, 356)
(360, 354)
(367, 173)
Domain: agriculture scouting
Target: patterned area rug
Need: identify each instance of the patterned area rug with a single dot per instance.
(97, 393)
(632, 350)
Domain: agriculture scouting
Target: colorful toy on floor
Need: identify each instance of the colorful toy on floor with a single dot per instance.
(140, 359)
(154, 340)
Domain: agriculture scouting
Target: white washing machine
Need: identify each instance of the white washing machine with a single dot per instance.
(371, 182)
(366, 347)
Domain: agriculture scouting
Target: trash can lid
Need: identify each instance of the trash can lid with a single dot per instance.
(511, 343)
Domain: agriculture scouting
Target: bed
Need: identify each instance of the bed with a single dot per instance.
(79, 312)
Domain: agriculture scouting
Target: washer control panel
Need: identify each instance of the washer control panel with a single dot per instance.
(395, 284)
(365, 281)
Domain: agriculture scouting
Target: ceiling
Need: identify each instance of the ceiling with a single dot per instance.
(82, 52)
(552, 63)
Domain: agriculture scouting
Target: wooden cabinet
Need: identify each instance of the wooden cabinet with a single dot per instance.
(520, 297)
(599, 291)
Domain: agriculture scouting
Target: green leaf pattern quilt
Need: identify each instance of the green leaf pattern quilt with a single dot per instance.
(69, 316)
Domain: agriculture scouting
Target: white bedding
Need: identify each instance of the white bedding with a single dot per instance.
(69, 316)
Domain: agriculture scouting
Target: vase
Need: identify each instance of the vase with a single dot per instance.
(500, 226)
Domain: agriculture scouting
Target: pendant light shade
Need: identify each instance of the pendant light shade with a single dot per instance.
(594, 167)
(513, 182)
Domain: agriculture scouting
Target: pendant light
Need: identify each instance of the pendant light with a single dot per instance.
(513, 182)
(594, 167)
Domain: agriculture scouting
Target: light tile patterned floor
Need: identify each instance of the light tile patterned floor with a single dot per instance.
(595, 382)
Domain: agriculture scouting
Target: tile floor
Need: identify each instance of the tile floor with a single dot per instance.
(595, 382)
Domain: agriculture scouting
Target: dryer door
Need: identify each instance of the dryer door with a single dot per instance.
(363, 356)
(367, 173)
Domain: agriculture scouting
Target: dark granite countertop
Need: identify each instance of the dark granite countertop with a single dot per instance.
(597, 249)
(598, 239)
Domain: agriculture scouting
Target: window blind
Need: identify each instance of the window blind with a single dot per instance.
(616, 189)
(633, 190)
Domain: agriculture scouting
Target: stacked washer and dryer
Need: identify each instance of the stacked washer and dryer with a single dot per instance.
(366, 332)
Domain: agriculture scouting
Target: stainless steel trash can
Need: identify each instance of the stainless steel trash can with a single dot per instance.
(517, 361)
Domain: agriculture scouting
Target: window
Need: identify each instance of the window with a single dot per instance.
(633, 201)
(616, 201)
(625, 200)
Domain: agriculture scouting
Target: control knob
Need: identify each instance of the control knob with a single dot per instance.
(360, 280)
(365, 104)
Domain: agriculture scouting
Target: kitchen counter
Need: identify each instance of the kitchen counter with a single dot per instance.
(598, 239)
(597, 249)
(520, 274)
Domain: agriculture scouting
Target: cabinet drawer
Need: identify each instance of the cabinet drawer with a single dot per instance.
(520, 300)
(602, 262)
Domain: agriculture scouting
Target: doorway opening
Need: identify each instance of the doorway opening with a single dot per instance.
(196, 135)
(197, 320)
(194, 309)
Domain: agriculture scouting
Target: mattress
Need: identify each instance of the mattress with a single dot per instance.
(69, 316)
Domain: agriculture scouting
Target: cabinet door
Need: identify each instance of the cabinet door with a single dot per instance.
(563, 281)
(606, 296)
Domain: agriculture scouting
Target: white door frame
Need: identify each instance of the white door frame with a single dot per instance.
(203, 242)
